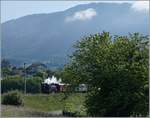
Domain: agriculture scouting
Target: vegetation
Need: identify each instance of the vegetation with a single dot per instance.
(12, 98)
(35, 70)
(33, 85)
(6, 67)
(12, 83)
(114, 68)
(116, 71)
(42, 104)
(74, 105)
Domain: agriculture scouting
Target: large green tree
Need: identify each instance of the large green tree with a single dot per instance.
(116, 71)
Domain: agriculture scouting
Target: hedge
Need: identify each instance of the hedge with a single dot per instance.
(33, 85)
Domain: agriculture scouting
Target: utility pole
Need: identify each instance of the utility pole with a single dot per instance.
(24, 78)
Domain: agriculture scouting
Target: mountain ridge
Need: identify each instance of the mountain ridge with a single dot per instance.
(44, 36)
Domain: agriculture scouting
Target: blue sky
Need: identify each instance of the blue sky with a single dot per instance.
(15, 9)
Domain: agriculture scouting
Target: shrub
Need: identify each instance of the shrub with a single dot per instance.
(12, 98)
(33, 85)
(12, 83)
(69, 109)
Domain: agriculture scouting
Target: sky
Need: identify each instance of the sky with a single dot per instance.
(15, 9)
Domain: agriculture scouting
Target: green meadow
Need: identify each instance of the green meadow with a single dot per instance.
(46, 105)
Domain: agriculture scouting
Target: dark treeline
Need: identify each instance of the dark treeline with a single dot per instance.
(34, 69)
(13, 78)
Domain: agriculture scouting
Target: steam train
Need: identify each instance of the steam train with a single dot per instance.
(51, 85)
(49, 88)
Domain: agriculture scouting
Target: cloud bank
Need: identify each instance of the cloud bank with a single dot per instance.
(82, 15)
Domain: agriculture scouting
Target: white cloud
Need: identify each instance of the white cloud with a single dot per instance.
(140, 5)
(89, 13)
(82, 15)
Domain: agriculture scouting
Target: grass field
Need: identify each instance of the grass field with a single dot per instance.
(44, 104)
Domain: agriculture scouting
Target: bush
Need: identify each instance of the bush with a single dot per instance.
(12, 98)
(69, 107)
(33, 85)
(71, 110)
(12, 83)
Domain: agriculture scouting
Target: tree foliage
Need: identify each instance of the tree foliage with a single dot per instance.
(116, 71)
(5, 67)
(12, 98)
(33, 85)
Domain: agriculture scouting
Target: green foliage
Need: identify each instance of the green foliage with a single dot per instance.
(12, 98)
(5, 63)
(49, 73)
(6, 72)
(33, 85)
(69, 107)
(116, 71)
(74, 105)
(40, 74)
(12, 83)
(5, 67)
(40, 105)
(36, 68)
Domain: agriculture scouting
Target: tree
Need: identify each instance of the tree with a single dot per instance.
(6, 67)
(116, 71)
(12, 83)
(35, 68)
(5, 63)
(33, 85)
(49, 73)
(12, 98)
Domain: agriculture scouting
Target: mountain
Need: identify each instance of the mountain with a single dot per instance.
(49, 37)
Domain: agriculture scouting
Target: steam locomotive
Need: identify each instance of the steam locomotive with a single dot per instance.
(51, 85)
